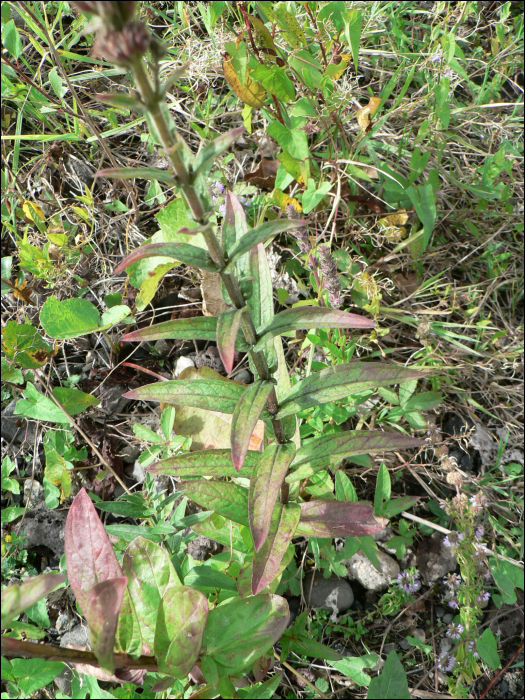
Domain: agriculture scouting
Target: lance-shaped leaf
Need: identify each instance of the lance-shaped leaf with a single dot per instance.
(310, 317)
(265, 482)
(225, 498)
(211, 394)
(150, 573)
(331, 449)
(340, 381)
(142, 173)
(220, 144)
(180, 627)
(183, 252)
(266, 561)
(205, 463)
(198, 328)
(241, 630)
(227, 328)
(244, 577)
(128, 637)
(328, 518)
(15, 599)
(102, 607)
(90, 558)
(245, 416)
(121, 100)
(259, 235)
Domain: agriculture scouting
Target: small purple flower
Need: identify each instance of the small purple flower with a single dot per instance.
(453, 539)
(479, 532)
(453, 603)
(455, 631)
(482, 597)
(452, 580)
(436, 57)
(408, 581)
(471, 649)
(446, 662)
(222, 209)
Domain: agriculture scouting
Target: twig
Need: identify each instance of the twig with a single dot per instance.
(498, 675)
(299, 675)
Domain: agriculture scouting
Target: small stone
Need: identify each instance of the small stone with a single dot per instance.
(33, 492)
(181, 364)
(433, 559)
(383, 535)
(448, 617)
(405, 644)
(361, 568)
(244, 376)
(439, 611)
(162, 347)
(388, 648)
(62, 623)
(419, 633)
(129, 453)
(63, 681)
(78, 635)
(327, 593)
(138, 474)
(201, 547)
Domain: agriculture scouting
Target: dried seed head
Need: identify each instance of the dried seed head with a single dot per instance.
(455, 478)
(122, 47)
(114, 15)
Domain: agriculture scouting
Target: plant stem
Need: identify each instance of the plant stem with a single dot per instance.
(173, 147)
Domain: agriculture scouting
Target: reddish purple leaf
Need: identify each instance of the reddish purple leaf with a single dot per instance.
(324, 518)
(245, 416)
(265, 482)
(90, 558)
(102, 609)
(267, 560)
(227, 328)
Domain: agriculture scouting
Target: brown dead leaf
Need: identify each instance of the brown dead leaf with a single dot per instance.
(264, 176)
(365, 113)
(212, 302)
(408, 283)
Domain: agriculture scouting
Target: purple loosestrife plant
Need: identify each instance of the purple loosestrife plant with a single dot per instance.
(147, 612)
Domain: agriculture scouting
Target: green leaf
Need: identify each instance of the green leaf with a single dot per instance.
(274, 80)
(340, 381)
(259, 235)
(9, 484)
(150, 573)
(224, 532)
(392, 684)
(267, 559)
(205, 463)
(11, 513)
(309, 647)
(397, 505)
(353, 34)
(424, 401)
(69, 318)
(179, 631)
(74, 401)
(225, 498)
(312, 195)
(344, 489)
(292, 140)
(245, 416)
(11, 40)
(425, 206)
(383, 489)
(206, 577)
(23, 344)
(138, 173)
(199, 328)
(227, 329)
(11, 374)
(352, 667)
(17, 598)
(211, 394)
(265, 483)
(487, 647)
(37, 406)
(310, 317)
(114, 315)
(239, 631)
(183, 252)
(328, 518)
(101, 607)
(331, 449)
(212, 150)
(32, 674)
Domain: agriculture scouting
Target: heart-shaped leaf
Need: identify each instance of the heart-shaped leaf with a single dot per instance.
(328, 518)
(265, 482)
(310, 317)
(266, 561)
(245, 416)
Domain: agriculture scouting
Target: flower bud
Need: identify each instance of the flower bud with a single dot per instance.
(115, 15)
(122, 47)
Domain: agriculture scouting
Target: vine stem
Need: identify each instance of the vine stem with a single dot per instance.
(173, 148)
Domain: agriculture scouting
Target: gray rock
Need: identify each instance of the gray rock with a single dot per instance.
(483, 441)
(201, 547)
(17, 429)
(244, 376)
(62, 623)
(162, 347)
(112, 399)
(439, 611)
(388, 648)
(78, 635)
(138, 474)
(332, 593)
(361, 569)
(383, 535)
(36, 491)
(63, 681)
(44, 527)
(181, 364)
(419, 633)
(447, 618)
(405, 644)
(129, 453)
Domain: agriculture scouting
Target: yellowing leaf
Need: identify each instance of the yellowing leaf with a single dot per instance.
(251, 93)
(31, 209)
(392, 225)
(365, 113)
(283, 200)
